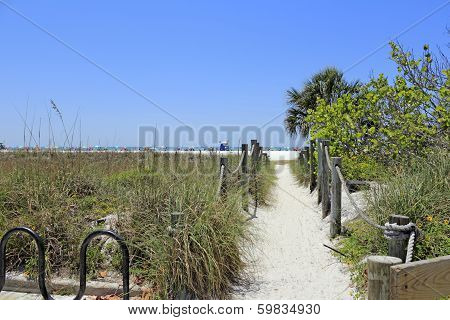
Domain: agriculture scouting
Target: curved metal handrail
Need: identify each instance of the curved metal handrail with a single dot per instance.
(125, 262)
(83, 267)
(41, 258)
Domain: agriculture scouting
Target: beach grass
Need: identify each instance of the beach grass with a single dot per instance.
(63, 195)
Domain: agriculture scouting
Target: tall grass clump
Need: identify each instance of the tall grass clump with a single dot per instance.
(62, 196)
(300, 170)
(419, 190)
(262, 181)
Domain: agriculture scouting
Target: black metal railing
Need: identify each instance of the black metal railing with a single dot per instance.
(83, 267)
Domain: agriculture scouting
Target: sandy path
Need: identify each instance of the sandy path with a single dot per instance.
(290, 259)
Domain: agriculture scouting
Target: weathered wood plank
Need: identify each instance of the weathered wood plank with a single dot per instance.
(398, 247)
(336, 194)
(378, 274)
(357, 185)
(319, 171)
(325, 184)
(421, 280)
(312, 168)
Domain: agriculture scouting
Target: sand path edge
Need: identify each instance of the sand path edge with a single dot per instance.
(289, 260)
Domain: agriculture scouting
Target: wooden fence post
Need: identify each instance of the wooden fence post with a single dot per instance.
(379, 268)
(319, 171)
(312, 169)
(326, 204)
(244, 180)
(252, 142)
(245, 160)
(265, 157)
(255, 156)
(336, 193)
(398, 247)
(223, 162)
(175, 218)
(255, 168)
(174, 222)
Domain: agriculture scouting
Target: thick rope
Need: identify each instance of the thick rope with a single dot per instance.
(396, 232)
(390, 230)
(393, 227)
(353, 202)
(239, 165)
(409, 253)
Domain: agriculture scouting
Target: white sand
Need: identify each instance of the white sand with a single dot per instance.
(290, 261)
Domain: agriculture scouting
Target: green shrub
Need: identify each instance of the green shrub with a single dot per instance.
(421, 191)
(362, 168)
(386, 122)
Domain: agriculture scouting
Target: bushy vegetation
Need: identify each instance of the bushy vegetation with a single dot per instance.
(61, 196)
(327, 85)
(397, 133)
(386, 124)
(420, 191)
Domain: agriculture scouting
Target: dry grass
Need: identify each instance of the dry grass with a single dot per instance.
(61, 196)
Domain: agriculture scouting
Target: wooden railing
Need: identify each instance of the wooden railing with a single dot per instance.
(390, 279)
(389, 276)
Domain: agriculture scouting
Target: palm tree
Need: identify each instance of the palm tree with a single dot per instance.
(328, 84)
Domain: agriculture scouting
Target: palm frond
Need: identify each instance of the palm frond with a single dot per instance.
(328, 84)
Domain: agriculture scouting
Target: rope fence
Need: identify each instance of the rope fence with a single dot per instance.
(242, 175)
(221, 176)
(224, 177)
(399, 231)
(239, 165)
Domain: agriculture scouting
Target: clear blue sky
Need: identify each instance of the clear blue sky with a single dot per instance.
(206, 62)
